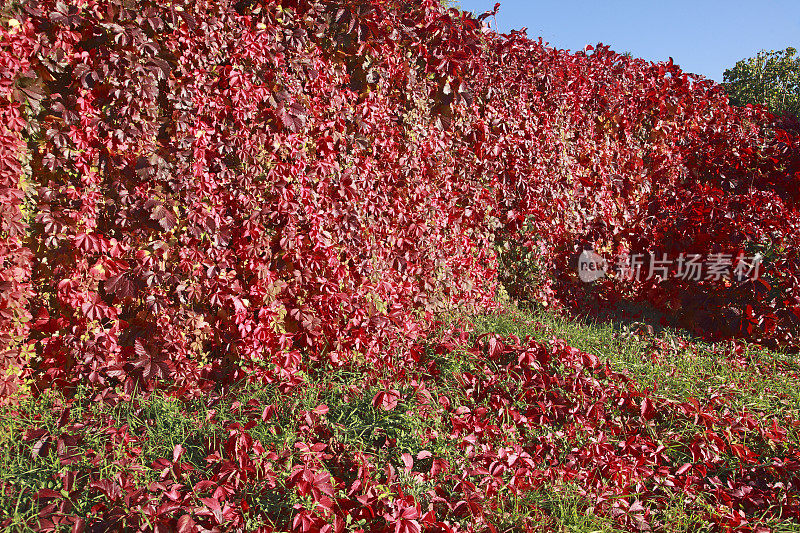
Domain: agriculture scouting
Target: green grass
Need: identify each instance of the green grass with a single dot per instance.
(683, 368)
(673, 364)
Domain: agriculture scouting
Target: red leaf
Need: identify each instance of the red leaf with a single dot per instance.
(178, 452)
(646, 409)
(408, 461)
(214, 505)
(386, 400)
(495, 348)
(186, 524)
(79, 526)
(48, 493)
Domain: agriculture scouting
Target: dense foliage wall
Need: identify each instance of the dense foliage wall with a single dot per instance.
(195, 192)
(213, 186)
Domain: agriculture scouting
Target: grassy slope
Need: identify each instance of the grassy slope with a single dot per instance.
(675, 366)
(671, 362)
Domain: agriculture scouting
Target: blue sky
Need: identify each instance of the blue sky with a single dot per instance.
(702, 36)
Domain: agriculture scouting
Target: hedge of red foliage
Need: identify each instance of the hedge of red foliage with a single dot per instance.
(194, 192)
(214, 188)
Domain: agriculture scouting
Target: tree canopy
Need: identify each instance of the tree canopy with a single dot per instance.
(771, 79)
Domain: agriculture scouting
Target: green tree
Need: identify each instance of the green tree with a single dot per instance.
(771, 78)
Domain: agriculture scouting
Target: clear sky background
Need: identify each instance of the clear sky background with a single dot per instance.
(702, 36)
